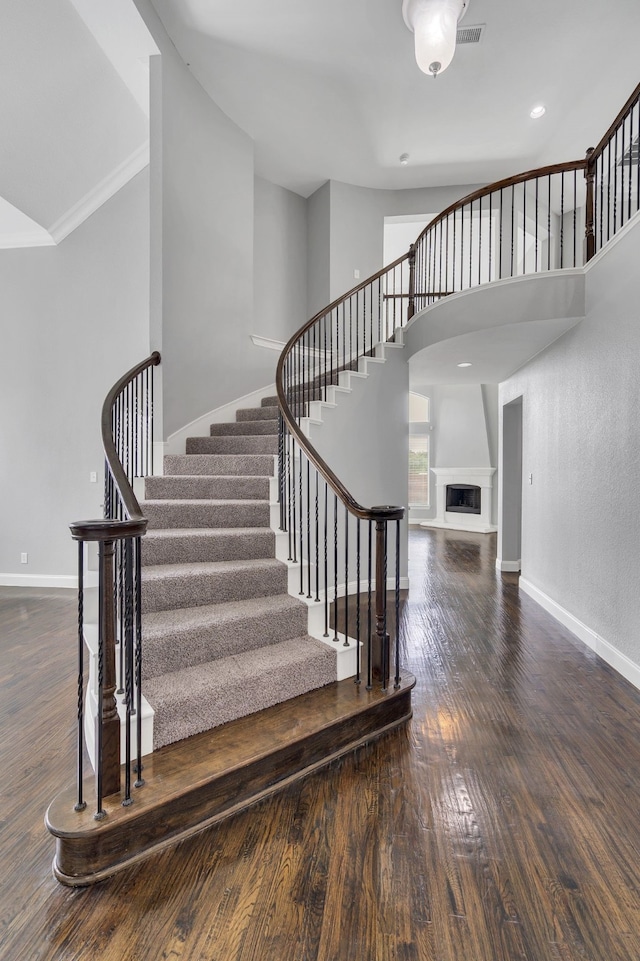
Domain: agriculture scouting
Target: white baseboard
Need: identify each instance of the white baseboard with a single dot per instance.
(615, 658)
(176, 442)
(508, 566)
(39, 580)
(446, 526)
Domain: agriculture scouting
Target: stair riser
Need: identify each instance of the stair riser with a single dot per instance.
(207, 465)
(244, 428)
(194, 589)
(201, 488)
(232, 445)
(177, 651)
(187, 549)
(168, 514)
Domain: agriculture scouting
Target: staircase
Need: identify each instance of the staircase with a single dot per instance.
(222, 637)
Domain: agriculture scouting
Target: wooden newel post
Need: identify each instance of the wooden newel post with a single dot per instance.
(589, 230)
(108, 764)
(380, 666)
(412, 282)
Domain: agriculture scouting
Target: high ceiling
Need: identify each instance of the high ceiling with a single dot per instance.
(329, 89)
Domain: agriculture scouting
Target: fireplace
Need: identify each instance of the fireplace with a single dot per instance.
(463, 498)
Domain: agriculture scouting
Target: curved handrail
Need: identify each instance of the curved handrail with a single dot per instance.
(373, 513)
(120, 479)
(538, 172)
(289, 418)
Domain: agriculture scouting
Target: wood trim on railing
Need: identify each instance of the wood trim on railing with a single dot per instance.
(602, 143)
(548, 171)
(120, 479)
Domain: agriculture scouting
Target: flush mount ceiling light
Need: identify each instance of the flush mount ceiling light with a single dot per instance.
(434, 24)
(538, 111)
(465, 364)
(404, 159)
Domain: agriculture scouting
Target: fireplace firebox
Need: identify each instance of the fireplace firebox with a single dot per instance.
(463, 498)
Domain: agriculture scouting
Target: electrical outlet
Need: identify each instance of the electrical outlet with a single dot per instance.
(93, 477)
(531, 478)
(24, 558)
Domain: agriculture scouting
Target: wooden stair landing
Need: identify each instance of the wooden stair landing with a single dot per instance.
(193, 784)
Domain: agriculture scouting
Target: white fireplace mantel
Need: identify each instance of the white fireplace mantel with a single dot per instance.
(481, 477)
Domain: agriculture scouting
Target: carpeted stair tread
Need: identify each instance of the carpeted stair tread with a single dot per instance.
(269, 402)
(192, 512)
(244, 427)
(203, 487)
(245, 444)
(181, 545)
(167, 586)
(258, 413)
(211, 465)
(204, 696)
(177, 639)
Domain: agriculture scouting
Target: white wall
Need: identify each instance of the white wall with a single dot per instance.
(318, 249)
(74, 318)
(279, 261)
(581, 525)
(365, 440)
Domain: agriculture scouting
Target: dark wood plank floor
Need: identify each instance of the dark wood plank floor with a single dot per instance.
(502, 824)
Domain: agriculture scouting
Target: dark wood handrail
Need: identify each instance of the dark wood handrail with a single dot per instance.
(386, 513)
(120, 479)
(599, 149)
(373, 513)
(493, 188)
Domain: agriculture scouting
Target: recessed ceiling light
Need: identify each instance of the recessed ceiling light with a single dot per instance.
(404, 159)
(465, 364)
(537, 112)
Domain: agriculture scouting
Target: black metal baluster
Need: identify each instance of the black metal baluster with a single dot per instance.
(479, 240)
(535, 266)
(317, 597)
(500, 234)
(80, 804)
(622, 166)
(454, 252)
(345, 643)
(562, 219)
(335, 568)
(615, 184)
(127, 642)
(301, 541)
(293, 495)
(397, 599)
(309, 595)
(513, 214)
(138, 661)
(549, 225)
(524, 228)
(326, 559)
(490, 233)
(357, 678)
(575, 213)
(369, 637)
(100, 814)
(470, 241)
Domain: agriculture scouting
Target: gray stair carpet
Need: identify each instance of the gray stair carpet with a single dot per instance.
(222, 638)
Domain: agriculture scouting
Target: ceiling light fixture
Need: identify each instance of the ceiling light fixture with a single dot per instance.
(434, 24)
(465, 364)
(404, 159)
(537, 112)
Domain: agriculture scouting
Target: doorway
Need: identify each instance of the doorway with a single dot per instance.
(510, 526)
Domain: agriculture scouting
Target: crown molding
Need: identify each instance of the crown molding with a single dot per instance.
(99, 195)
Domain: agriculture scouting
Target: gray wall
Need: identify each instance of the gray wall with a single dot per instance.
(581, 397)
(279, 261)
(365, 439)
(74, 318)
(318, 249)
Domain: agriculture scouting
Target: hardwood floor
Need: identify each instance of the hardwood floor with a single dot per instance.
(500, 825)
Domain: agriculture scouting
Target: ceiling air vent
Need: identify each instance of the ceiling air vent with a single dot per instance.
(470, 34)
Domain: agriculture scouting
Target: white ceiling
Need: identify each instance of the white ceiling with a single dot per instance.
(329, 89)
